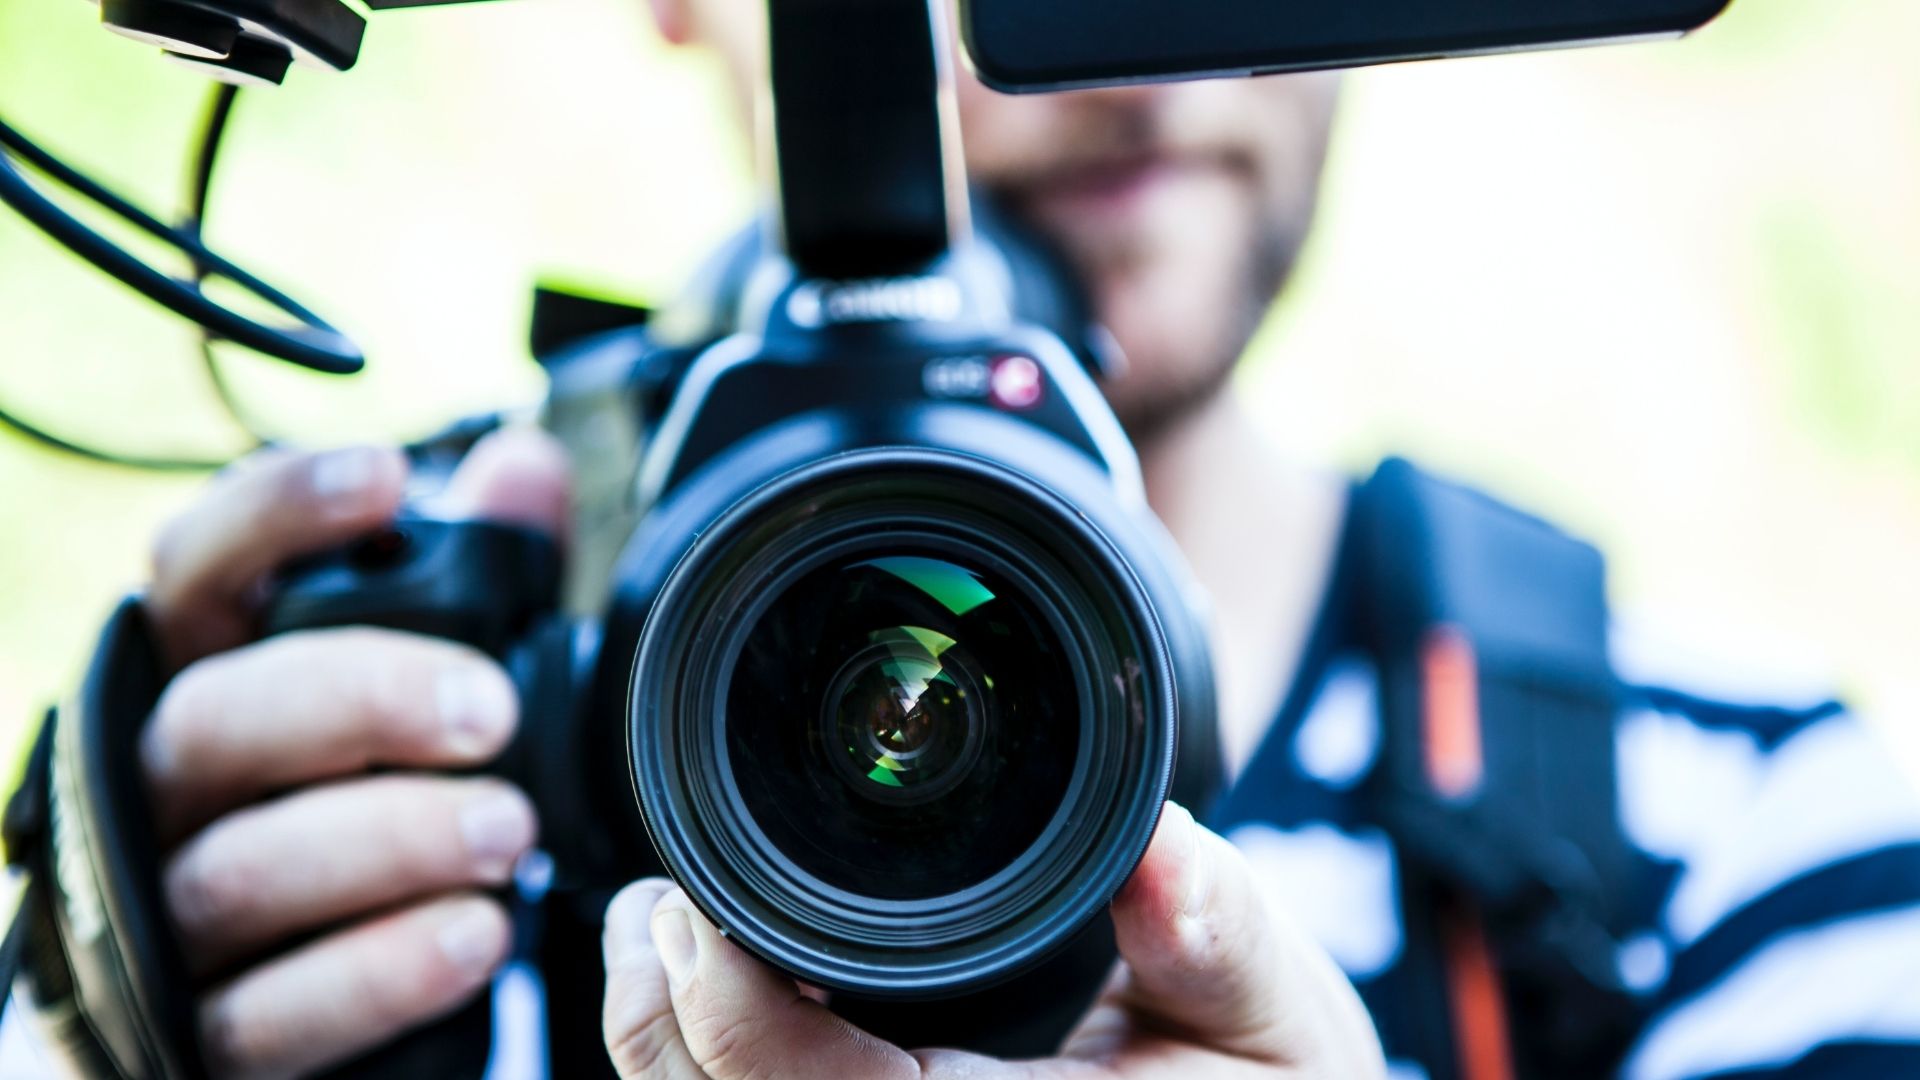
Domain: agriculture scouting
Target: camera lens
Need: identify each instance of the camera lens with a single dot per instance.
(902, 724)
(901, 721)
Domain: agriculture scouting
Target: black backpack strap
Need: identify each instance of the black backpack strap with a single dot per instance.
(1497, 777)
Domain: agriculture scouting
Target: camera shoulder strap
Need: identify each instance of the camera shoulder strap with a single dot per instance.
(1497, 776)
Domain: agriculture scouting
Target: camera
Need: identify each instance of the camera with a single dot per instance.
(866, 635)
(897, 669)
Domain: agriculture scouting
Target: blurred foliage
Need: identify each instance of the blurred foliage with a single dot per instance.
(1666, 293)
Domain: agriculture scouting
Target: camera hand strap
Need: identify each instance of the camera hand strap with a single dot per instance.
(93, 950)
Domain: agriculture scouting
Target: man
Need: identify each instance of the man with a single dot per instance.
(1787, 942)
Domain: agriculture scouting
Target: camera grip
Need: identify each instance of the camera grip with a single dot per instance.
(477, 582)
(480, 583)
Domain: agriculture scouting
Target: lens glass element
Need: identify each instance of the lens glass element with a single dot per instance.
(903, 724)
(907, 708)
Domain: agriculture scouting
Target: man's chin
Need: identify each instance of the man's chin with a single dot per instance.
(1149, 412)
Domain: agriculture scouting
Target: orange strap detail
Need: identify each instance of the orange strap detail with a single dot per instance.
(1480, 1033)
(1450, 713)
(1455, 768)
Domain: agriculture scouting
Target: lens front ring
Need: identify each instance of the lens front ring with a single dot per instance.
(935, 945)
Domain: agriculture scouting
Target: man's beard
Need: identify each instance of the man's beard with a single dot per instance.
(1183, 285)
(1166, 391)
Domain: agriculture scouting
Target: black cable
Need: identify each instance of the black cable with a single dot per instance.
(84, 186)
(87, 188)
(199, 192)
(48, 439)
(200, 188)
(312, 343)
(187, 238)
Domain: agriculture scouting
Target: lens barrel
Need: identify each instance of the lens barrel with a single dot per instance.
(902, 721)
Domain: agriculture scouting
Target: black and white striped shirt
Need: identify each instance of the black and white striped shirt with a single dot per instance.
(1781, 937)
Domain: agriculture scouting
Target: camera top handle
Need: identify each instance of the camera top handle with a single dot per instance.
(866, 136)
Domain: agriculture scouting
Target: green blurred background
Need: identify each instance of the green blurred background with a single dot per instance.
(1667, 294)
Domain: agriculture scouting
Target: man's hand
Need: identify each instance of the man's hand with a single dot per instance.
(326, 909)
(1212, 984)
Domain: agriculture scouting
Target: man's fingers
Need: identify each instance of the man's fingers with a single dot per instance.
(1199, 952)
(642, 1034)
(741, 1019)
(316, 705)
(517, 475)
(208, 561)
(233, 889)
(344, 994)
(1207, 960)
(732, 1017)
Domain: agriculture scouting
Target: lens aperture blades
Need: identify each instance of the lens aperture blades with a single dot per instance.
(909, 711)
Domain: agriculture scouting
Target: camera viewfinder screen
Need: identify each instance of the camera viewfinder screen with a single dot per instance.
(1048, 44)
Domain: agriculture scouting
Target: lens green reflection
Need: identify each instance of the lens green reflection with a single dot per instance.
(902, 722)
(958, 590)
(903, 710)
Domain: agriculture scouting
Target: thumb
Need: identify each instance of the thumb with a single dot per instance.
(643, 1037)
(1206, 958)
(683, 1001)
(517, 475)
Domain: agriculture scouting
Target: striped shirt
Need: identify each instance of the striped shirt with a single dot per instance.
(1781, 937)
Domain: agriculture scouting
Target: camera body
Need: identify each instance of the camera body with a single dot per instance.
(909, 436)
(894, 670)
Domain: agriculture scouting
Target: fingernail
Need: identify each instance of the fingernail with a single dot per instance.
(471, 940)
(497, 827)
(1196, 869)
(673, 940)
(626, 921)
(476, 707)
(339, 473)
